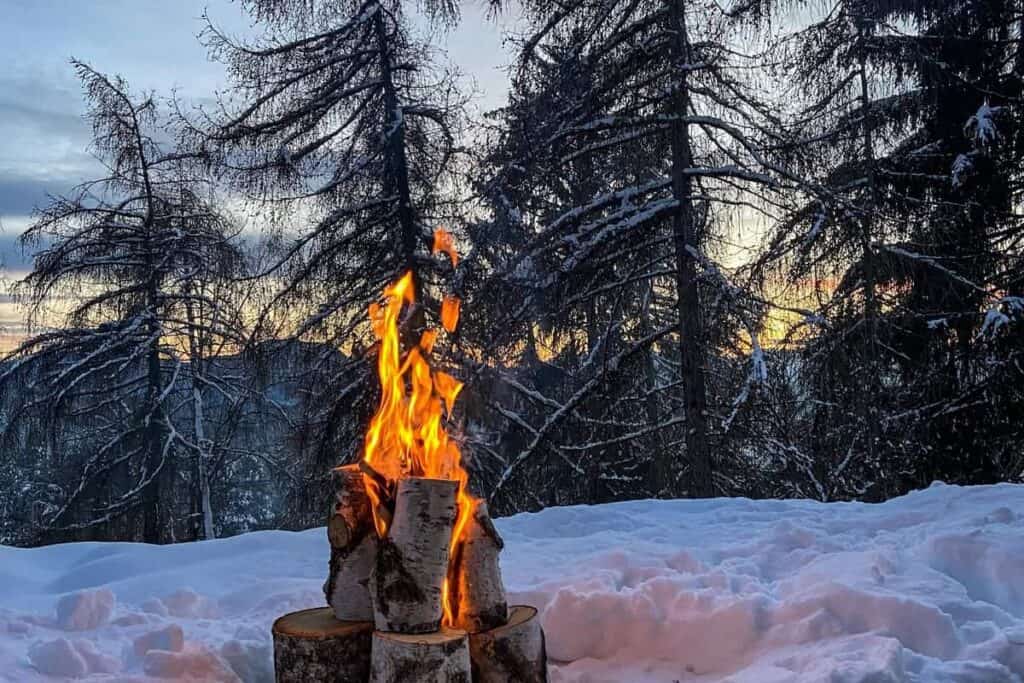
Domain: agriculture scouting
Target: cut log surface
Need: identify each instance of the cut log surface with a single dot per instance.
(353, 542)
(441, 657)
(312, 645)
(412, 560)
(476, 577)
(513, 653)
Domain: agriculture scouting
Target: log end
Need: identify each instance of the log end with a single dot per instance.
(317, 623)
(441, 637)
(513, 653)
(517, 616)
(440, 657)
(312, 645)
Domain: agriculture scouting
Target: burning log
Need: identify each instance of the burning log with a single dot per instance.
(353, 542)
(513, 653)
(477, 591)
(412, 560)
(382, 496)
(409, 545)
(441, 657)
(312, 645)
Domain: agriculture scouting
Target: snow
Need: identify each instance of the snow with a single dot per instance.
(85, 611)
(924, 588)
(981, 127)
(962, 168)
(994, 320)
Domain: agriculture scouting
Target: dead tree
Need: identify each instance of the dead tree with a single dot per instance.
(128, 252)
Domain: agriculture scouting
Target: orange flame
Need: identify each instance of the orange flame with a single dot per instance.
(450, 313)
(407, 435)
(444, 242)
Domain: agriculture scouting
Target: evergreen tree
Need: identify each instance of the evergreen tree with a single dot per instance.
(908, 223)
(633, 139)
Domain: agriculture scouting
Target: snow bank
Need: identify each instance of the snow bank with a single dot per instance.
(926, 588)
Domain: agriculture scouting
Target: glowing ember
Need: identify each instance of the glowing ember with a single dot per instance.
(407, 435)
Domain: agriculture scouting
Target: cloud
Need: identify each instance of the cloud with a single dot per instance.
(43, 141)
(12, 257)
(20, 195)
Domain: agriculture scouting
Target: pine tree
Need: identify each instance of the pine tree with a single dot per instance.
(905, 223)
(644, 118)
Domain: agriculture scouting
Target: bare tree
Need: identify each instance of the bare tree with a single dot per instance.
(343, 132)
(126, 267)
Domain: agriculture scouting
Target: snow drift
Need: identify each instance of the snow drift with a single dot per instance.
(928, 587)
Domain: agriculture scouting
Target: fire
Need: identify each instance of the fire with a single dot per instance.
(450, 313)
(444, 242)
(407, 435)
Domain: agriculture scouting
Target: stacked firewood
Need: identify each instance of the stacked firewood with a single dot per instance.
(393, 570)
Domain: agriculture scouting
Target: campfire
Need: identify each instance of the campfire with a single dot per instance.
(414, 584)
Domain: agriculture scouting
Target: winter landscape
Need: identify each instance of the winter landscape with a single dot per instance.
(928, 587)
(512, 341)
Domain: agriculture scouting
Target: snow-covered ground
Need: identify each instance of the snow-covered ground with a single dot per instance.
(929, 587)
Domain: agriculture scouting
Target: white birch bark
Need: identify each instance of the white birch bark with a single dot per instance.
(353, 540)
(475, 576)
(412, 560)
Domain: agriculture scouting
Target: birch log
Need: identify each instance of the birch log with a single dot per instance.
(312, 645)
(475, 576)
(412, 560)
(353, 542)
(513, 653)
(441, 657)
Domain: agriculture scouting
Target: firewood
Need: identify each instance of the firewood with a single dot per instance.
(353, 542)
(378, 478)
(441, 657)
(312, 645)
(384, 508)
(513, 653)
(475, 577)
(412, 560)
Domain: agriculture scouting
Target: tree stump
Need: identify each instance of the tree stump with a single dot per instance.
(513, 653)
(412, 560)
(353, 540)
(475, 576)
(441, 657)
(312, 645)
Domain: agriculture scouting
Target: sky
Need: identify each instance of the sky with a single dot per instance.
(152, 43)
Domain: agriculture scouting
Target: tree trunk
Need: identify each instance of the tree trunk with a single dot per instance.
(412, 560)
(474, 576)
(396, 174)
(441, 657)
(872, 396)
(513, 653)
(353, 547)
(152, 525)
(196, 361)
(312, 645)
(651, 401)
(691, 333)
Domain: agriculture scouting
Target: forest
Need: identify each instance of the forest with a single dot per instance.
(759, 248)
